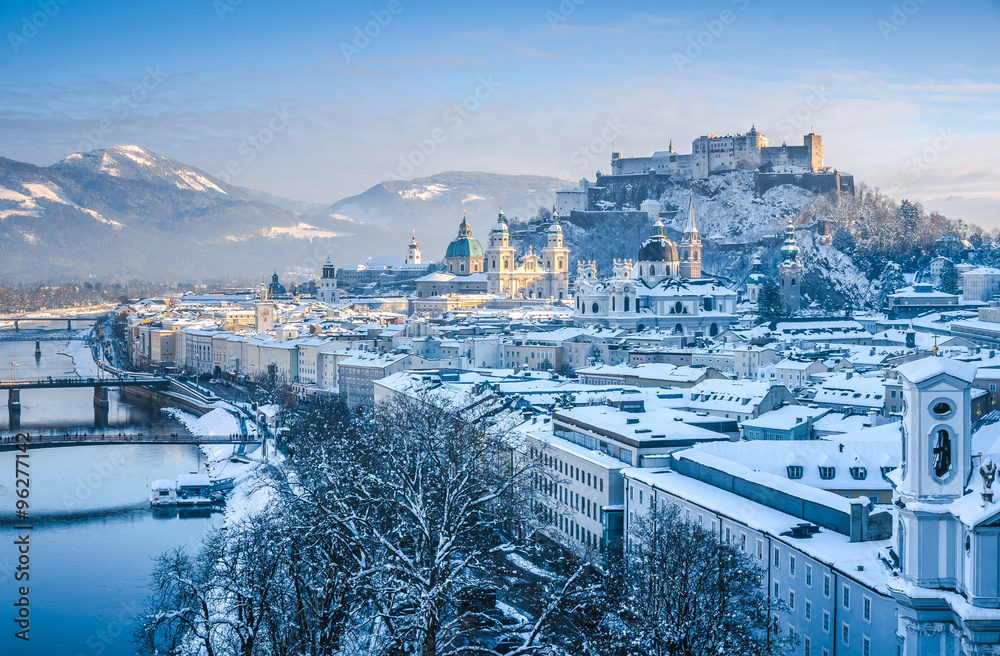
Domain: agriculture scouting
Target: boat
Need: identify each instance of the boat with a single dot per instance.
(189, 490)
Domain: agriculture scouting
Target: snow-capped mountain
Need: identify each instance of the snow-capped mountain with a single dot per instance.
(123, 213)
(137, 163)
(433, 206)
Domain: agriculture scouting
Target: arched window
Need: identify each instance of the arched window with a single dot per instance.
(678, 307)
(942, 453)
(626, 303)
(679, 329)
(596, 308)
(612, 303)
(640, 270)
(420, 294)
(462, 266)
(713, 330)
(793, 282)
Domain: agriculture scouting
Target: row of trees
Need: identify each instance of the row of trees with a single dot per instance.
(392, 532)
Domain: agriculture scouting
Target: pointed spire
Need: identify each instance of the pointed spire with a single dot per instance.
(690, 228)
(501, 218)
(555, 214)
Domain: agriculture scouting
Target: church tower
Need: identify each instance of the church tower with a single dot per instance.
(790, 273)
(328, 292)
(555, 260)
(690, 246)
(500, 258)
(413, 254)
(932, 544)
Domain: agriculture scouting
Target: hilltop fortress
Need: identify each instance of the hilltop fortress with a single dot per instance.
(714, 154)
(634, 180)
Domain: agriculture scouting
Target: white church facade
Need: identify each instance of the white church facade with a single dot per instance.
(664, 288)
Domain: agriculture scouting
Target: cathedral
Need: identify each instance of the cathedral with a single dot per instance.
(546, 276)
(664, 288)
(496, 271)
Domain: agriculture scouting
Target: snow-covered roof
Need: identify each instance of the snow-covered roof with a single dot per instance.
(920, 370)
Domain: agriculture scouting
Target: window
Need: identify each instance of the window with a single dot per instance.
(866, 646)
(794, 471)
(866, 609)
(743, 541)
(846, 598)
(791, 601)
(826, 473)
(760, 549)
(942, 453)
(807, 646)
(859, 473)
(728, 536)
(809, 575)
(826, 621)
(640, 497)
(791, 565)
(845, 633)
(777, 557)
(808, 611)
(777, 589)
(826, 586)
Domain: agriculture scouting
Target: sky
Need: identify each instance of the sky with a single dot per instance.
(317, 101)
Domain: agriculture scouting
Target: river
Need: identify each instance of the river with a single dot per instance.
(94, 539)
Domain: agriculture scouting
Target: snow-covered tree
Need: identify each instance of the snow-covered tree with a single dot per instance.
(949, 278)
(769, 301)
(889, 281)
(679, 590)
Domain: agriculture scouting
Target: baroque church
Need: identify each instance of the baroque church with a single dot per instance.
(664, 288)
(496, 271)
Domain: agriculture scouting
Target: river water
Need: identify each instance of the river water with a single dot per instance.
(94, 538)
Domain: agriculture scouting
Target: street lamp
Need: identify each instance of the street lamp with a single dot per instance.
(13, 371)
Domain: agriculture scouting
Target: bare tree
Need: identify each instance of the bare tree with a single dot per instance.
(679, 590)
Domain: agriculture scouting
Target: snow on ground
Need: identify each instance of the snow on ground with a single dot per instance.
(246, 497)
(218, 422)
(300, 231)
(523, 563)
(428, 192)
(83, 358)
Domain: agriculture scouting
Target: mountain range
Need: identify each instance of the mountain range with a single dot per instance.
(124, 212)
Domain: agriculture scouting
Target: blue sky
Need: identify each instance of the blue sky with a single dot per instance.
(905, 94)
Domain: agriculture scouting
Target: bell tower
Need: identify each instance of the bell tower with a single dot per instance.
(413, 253)
(790, 273)
(690, 246)
(500, 256)
(555, 260)
(936, 466)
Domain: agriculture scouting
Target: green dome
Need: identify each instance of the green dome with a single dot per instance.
(465, 247)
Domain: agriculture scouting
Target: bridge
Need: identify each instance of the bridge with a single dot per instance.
(56, 336)
(100, 386)
(75, 438)
(69, 319)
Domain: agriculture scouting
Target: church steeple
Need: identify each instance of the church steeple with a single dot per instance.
(690, 247)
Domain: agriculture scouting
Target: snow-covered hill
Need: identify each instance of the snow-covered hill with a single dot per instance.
(137, 163)
(433, 206)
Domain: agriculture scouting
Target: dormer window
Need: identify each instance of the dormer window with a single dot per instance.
(795, 471)
(859, 473)
(827, 473)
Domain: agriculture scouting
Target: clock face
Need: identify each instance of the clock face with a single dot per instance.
(628, 289)
(264, 313)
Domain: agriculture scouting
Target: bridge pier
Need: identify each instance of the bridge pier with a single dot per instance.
(101, 397)
(69, 324)
(38, 349)
(17, 327)
(14, 407)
